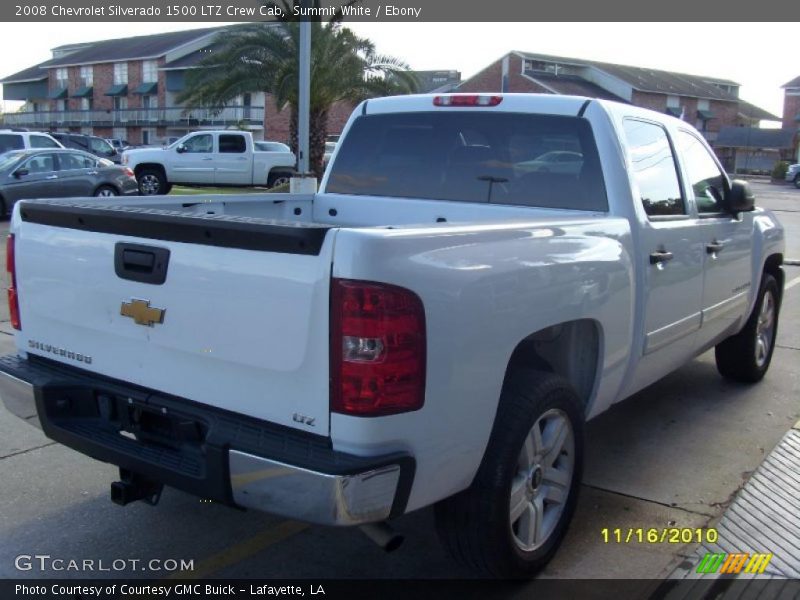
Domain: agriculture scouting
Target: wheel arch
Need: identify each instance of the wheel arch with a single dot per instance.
(106, 185)
(572, 349)
(149, 166)
(774, 266)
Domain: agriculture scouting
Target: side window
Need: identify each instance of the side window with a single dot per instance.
(71, 161)
(199, 144)
(41, 163)
(40, 141)
(99, 146)
(653, 166)
(232, 144)
(10, 142)
(708, 182)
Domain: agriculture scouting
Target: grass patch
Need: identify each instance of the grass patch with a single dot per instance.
(179, 190)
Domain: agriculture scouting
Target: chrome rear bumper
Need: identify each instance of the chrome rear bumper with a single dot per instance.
(241, 461)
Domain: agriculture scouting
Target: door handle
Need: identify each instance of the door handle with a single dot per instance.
(242, 158)
(208, 159)
(714, 247)
(660, 256)
(92, 173)
(52, 177)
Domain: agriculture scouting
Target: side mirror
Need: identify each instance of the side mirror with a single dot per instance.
(180, 149)
(740, 197)
(21, 173)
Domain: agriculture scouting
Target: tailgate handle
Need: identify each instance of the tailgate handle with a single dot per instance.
(145, 264)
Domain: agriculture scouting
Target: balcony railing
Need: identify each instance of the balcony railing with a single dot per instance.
(186, 117)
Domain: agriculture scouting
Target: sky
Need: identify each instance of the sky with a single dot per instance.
(759, 56)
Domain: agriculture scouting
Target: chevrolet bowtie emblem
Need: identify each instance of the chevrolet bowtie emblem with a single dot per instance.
(142, 313)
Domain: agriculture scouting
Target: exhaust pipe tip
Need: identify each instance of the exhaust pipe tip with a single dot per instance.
(383, 535)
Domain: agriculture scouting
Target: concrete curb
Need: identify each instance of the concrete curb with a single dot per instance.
(792, 262)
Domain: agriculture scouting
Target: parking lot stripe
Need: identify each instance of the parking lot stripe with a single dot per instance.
(791, 283)
(243, 550)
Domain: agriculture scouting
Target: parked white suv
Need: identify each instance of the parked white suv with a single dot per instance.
(22, 140)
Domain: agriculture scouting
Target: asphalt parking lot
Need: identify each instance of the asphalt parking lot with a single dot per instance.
(672, 456)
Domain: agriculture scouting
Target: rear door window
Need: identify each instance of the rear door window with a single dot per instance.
(10, 141)
(654, 169)
(232, 144)
(41, 141)
(470, 156)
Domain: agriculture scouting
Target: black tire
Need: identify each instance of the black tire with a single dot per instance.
(3, 209)
(152, 182)
(279, 178)
(797, 181)
(106, 191)
(476, 526)
(741, 357)
(167, 189)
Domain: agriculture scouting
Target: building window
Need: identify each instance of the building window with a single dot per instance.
(121, 106)
(120, 133)
(62, 78)
(86, 104)
(149, 71)
(673, 102)
(702, 104)
(87, 76)
(120, 73)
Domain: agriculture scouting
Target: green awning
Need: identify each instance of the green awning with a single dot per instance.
(146, 89)
(118, 90)
(58, 94)
(84, 92)
(675, 111)
(705, 114)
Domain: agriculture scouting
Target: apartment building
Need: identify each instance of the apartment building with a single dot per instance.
(708, 103)
(125, 88)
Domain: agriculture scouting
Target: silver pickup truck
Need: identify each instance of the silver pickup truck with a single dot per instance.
(477, 277)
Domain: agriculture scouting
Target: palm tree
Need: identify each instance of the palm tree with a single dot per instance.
(264, 57)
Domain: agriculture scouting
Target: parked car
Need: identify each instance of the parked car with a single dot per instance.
(793, 175)
(60, 173)
(556, 161)
(88, 143)
(206, 158)
(22, 140)
(118, 144)
(433, 327)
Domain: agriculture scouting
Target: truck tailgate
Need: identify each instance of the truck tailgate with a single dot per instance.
(245, 305)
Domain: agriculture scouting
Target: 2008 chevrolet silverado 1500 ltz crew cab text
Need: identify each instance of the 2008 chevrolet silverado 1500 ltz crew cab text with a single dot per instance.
(433, 327)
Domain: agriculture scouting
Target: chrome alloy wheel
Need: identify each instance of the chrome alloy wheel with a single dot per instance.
(765, 328)
(149, 185)
(106, 193)
(541, 484)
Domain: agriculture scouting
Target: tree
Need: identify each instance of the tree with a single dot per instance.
(264, 57)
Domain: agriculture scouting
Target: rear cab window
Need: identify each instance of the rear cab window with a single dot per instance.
(517, 159)
(232, 144)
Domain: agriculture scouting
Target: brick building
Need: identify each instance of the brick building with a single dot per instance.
(128, 88)
(791, 112)
(708, 103)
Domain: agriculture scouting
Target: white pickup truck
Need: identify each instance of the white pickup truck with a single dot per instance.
(203, 158)
(433, 327)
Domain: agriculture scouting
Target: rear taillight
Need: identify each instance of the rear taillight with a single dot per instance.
(128, 171)
(13, 299)
(467, 100)
(377, 349)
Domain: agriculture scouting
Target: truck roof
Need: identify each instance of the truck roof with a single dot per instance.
(540, 103)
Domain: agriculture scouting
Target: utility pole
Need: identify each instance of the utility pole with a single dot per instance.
(304, 183)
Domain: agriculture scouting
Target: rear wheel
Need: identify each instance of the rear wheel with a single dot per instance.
(746, 356)
(511, 520)
(152, 182)
(276, 179)
(105, 191)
